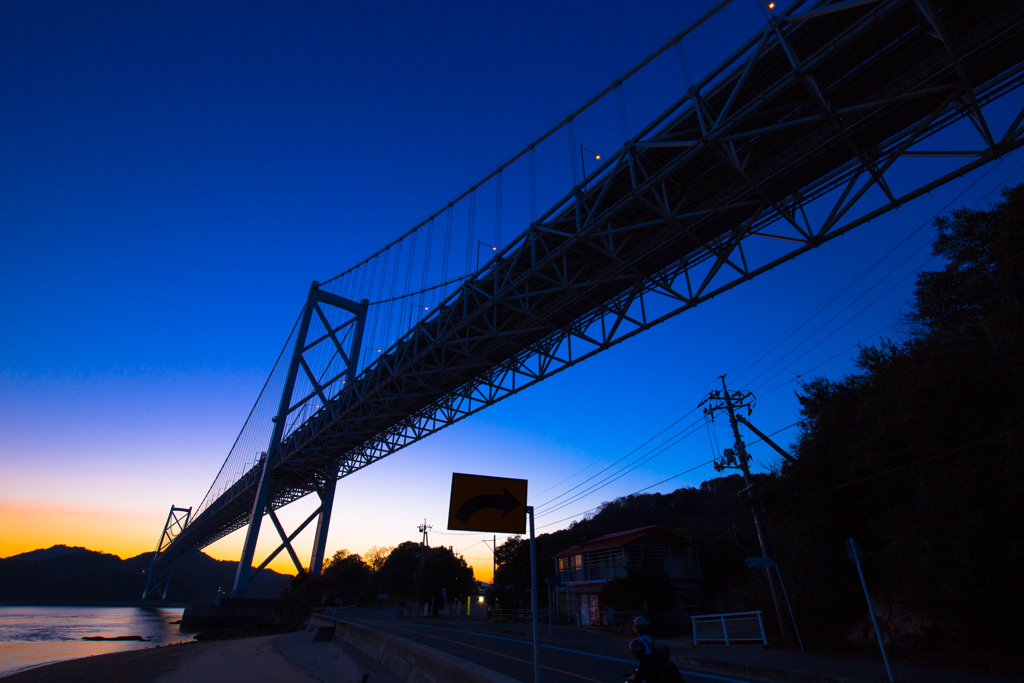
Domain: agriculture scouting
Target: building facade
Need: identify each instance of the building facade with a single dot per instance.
(584, 569)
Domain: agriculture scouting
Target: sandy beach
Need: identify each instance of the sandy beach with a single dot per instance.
(288, 658)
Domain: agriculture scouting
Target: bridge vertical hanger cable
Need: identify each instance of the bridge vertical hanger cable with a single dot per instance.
(470, 243)
(426, 265)
(497, 209)
(391, 295)
(447, 250)
(362, 281)
(375, 343)
(620, 104)
(684, 65)
(570, 129)
(408, 284)
(533, 185)
(242, 432)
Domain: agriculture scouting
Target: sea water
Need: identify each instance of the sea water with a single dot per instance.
(32, 636)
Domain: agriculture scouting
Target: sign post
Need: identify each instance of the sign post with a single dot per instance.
(533, 599)
(496, 504)
(856, 555)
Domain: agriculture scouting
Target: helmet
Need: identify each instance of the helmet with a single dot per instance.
(637, 648)
(641, 625)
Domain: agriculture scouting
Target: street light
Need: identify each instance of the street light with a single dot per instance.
(412, 307)
(478, 243)
(583, 158)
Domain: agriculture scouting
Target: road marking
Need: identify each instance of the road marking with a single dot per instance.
(524, 661)
(699, 674)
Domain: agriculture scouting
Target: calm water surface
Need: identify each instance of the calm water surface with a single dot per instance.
(31, 636)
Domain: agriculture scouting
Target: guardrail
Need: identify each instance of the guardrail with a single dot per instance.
(730, 628)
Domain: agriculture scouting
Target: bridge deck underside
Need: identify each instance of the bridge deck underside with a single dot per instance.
(808, 107)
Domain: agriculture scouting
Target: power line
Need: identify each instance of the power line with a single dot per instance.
(637, 463)
(638, 433)
(675, 422)
(675, 476)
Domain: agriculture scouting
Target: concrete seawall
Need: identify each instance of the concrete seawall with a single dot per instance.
(406, 660)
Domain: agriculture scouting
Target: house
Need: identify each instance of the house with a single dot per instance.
(583, 569)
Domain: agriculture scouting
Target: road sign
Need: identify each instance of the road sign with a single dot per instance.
(493, 504)
(853, 551)
(759, 562)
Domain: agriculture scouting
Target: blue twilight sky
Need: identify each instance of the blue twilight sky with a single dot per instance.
(172, 177)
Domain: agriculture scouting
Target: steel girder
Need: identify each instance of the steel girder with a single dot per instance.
(786, 142)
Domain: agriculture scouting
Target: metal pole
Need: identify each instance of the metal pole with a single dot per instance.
(549, 610)
(789, 607)
(533, 599)
(741, 452)
(871, 611)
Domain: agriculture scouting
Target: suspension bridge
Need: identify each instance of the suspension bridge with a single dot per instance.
(801, 134)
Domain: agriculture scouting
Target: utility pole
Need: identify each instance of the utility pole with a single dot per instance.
(731, 402)
(494, 561)
(425, 541)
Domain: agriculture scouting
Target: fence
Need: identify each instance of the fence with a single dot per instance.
(734, 628)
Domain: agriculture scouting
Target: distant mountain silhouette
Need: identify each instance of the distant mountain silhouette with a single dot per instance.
(46, 554)
(71, 575)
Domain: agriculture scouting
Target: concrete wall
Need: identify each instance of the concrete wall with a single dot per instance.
(408, 661)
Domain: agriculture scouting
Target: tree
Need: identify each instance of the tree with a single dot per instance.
(398, 573)
(441, 569)
(645, 584)
(337, 557)
(512, 571)
(919, 455)
(377, 556)
(977, 296)
(345, 579)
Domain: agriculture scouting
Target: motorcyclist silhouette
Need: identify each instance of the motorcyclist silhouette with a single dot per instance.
(653, 663)
(642, 631)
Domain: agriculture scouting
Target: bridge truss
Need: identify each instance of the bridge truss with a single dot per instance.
(787, 144)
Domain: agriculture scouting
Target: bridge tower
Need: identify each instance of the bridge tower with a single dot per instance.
(327, 480)
(177, 519)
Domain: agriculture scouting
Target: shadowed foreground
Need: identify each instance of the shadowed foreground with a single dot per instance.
(289, 658)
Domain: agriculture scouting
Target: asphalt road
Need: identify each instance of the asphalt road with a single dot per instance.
(569, 656)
